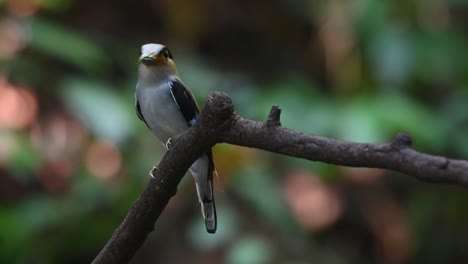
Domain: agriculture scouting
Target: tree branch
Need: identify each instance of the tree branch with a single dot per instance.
(219, 124)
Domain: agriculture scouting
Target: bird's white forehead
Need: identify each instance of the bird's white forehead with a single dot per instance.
(151, 48)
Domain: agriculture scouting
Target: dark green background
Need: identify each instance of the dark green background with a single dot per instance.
(74, 156)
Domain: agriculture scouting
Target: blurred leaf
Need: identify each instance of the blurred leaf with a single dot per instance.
(304, 108)
(391, 53)
(26, 160)
(250, 250)
(38, 214)
(357, 122)
(438, 56)
(228, 223)
(67, 45)
(102, 111)
(197, 75)
(373, 16)
(421, 213)
(454, 112)
(23, 225)
(398, 113)
(13, 235)
(257, 186)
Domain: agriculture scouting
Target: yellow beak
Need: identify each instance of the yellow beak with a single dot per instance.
(147, 59)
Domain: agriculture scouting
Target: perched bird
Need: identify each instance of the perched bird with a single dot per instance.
(168, 108)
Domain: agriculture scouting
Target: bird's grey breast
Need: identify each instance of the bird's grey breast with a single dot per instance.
(161, 111)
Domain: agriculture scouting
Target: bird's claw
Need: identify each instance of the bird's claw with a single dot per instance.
(152, 172)
(168, 143)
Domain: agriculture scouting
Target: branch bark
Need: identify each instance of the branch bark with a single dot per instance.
(218, 123)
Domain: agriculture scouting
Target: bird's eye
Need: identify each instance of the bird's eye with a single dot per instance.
(166, 54)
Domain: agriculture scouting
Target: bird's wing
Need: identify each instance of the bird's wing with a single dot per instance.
(138, 111)
(185, 101)
(190, 110)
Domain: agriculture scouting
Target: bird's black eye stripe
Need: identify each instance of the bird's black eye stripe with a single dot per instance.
(166, 53)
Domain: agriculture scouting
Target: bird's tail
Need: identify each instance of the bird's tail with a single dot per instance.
(202, 170)
(208, 207)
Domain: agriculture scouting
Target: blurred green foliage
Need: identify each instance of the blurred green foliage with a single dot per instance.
(353, 70)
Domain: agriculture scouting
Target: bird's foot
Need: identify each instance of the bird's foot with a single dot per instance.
(152, 172)
(168, 143)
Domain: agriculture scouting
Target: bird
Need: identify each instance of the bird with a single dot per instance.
(168, 108)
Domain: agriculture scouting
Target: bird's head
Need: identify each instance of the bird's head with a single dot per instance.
(157, 57)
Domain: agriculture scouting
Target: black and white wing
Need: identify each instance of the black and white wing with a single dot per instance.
(138, 111)
(190, 110)
(185, 101)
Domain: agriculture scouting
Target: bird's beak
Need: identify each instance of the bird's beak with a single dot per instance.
(147, 59)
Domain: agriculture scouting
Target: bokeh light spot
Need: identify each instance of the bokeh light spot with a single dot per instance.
(18, 106)
(314, 204)
(103, 159)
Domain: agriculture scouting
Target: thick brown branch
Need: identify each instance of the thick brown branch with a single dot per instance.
(396, 155)
(218, 124)
(139, 222)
